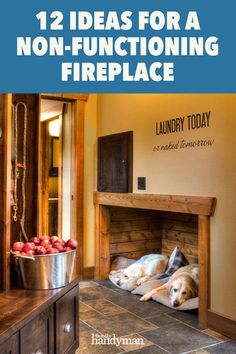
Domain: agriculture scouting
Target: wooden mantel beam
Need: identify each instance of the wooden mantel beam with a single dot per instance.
(174, 203)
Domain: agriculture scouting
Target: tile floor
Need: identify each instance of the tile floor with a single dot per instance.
(143, 328)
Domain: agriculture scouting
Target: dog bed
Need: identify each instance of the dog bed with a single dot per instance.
(162, 297)
(177, 260)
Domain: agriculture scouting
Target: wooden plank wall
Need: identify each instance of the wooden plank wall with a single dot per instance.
(32, 102)
(5, 189)
(180, 230)
(134, 232)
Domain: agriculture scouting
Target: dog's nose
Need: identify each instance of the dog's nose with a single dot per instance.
(176, 303)
(118, 282)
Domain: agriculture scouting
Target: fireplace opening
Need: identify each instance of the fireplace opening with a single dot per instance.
(133, 225)
(134, 233)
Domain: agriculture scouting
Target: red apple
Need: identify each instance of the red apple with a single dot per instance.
(17, 246)
(44, 237)
(61, 242)
(58, 246)
(72, 243)
(67, 249)
(35, 240)
(45, 243)
(54, 239)
(40, 250)
(30, 253)
(28, 246)
(52, 250)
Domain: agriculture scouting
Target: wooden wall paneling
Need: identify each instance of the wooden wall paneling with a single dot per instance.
(31, 221)
(5, 189)
(204, 267)
(134, 231)
(140, 235)
(180, 230)
(132, 246)
(77, 129)
(190, 252)
(136, 254)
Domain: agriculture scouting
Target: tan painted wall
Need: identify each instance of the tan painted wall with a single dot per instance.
(202, 171)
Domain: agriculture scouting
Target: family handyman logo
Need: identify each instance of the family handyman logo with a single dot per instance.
(107, 339)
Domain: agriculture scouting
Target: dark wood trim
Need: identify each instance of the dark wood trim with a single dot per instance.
(176, 203)
(5, 189)
(77, 168)
(223, 324)
(66, 96)
(88, 273)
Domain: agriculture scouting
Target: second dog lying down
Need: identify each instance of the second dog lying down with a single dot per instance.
(140, 271)
(181, 286)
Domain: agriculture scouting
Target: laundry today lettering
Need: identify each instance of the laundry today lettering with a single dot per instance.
(189, 122)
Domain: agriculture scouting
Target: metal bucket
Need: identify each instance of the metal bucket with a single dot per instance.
(48, 271)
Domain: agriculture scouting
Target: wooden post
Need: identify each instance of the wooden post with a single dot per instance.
(77, 129)
(5, 189)
(204, 267)
(102, 265)
(97, 243)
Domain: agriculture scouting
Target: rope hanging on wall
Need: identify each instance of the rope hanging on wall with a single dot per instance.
(17, 167)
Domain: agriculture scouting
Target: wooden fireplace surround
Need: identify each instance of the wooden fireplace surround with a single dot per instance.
(203, 207)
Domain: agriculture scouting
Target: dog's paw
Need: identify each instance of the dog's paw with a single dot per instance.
(142, 280)
(144, 298)
(138, 282)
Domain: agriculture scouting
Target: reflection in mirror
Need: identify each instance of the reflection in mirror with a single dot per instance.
(55, 171)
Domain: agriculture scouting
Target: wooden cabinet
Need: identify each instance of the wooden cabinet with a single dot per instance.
(37, 335)
(39, 322)
(66, 321)
(11, 345)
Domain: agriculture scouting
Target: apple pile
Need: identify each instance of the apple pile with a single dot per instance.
(43, 245)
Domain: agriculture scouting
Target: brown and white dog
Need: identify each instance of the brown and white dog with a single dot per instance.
(181, 286)
(140, 271)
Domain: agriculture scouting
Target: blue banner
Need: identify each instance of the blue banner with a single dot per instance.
(124, 46)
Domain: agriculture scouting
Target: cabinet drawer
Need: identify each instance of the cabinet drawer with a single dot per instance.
(37, 336)
(11, 346)
(66, 322)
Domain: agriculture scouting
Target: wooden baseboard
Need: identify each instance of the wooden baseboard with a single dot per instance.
(223, 324)
(88, 273)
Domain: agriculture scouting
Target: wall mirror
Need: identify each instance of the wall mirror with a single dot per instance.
(55, 167)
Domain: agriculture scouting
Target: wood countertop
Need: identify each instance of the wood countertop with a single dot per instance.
(19, 306)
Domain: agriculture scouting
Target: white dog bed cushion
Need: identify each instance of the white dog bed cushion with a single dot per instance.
(162, 297)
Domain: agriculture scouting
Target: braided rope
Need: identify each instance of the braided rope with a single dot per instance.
(16, 168)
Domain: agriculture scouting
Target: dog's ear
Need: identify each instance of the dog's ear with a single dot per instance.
(169, 288)
(193, 289)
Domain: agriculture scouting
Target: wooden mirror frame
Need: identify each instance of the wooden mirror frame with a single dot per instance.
(77, 179)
